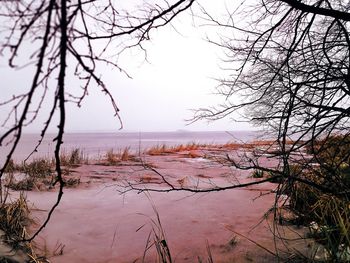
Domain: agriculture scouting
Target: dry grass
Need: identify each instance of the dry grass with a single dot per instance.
(73, 158)
(328, 216)
(14, 219)
(124, 155)
(37, 174)
(252, 145)
(188, 147)
(11, 167)
(26, 184)
(38, 168)
(149, 178)
(72, 182)
(182, 182)
(193, 154)
(159, 239)
(111, 158)
(159, 150)
(232, 146)
(258, 174)
(165, 149)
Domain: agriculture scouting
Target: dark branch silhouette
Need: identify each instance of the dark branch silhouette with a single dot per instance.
(67, 39)
(288, 65)
(288, 70)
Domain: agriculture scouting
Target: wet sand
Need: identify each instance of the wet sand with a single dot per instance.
(95, 222)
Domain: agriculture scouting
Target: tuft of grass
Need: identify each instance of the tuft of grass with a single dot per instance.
(193, 154)
(38, 168)
(232, 242)
(73, 158)
(72, 182)
(14, 217)
(26, 184)
(111, 157)
(164, 149)
(158, 150)
(328, 217)
(209, 254)
(278, 180)
(251, 240)
(327, 213)
(11, 167)
(182, 181)
(159, 239)
(38, 174)
(258, 174)
(124, 155)
(232, 146)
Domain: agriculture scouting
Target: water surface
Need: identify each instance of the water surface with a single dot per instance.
(97, 144)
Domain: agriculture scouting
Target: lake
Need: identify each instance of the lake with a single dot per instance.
(96, 144)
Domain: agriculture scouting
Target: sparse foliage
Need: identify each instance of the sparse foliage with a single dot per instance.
(289, 71)
(14, 218)
(67, 40)
(289, 64)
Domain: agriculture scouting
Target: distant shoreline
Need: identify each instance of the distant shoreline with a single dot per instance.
(95, 144)
(137, 132)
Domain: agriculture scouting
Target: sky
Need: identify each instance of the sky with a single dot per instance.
(162, 92)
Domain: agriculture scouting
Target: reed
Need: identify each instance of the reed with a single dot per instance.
(39, 173)
(14, 220)
(14, 217)
(159, 239)
(114, 158)
(327, 214)
(258, 174)
(328, 218)
(165, 149)
(73, 158)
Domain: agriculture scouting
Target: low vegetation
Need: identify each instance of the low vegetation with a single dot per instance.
(258, 174)
(165, 149)
(325, 209)
(37, 174)
(30, 175)
(40, 173)
(14, 219)
(327, 213)
(73, 158)
(114, 158)
(327, 216)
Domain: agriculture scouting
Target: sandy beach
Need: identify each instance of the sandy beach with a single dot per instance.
(102, 220)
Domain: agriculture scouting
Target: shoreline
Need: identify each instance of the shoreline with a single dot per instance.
(95, 144)
(102, 219)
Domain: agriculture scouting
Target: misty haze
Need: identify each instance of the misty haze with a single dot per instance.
(174, 131)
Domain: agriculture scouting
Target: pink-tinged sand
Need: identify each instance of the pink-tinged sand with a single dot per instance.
(95, 223)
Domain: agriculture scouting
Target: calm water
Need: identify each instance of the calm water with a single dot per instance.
(96, 144)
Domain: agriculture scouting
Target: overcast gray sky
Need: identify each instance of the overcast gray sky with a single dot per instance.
(178, 77)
